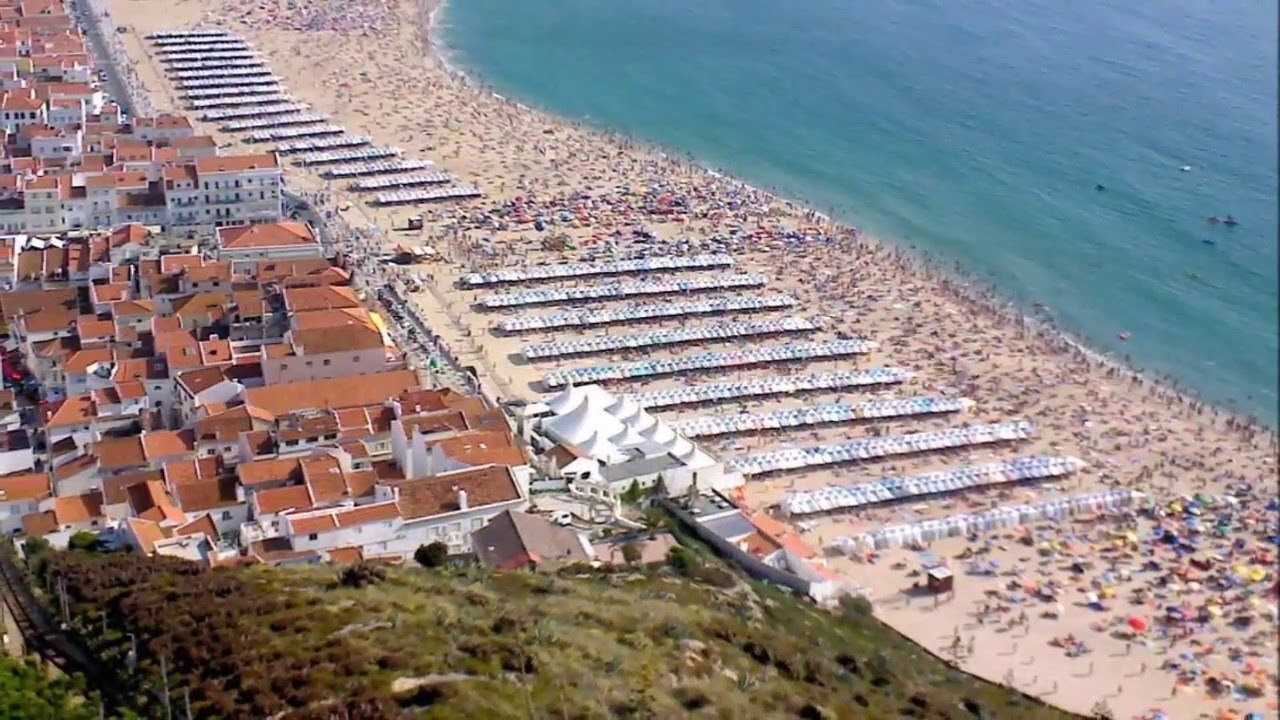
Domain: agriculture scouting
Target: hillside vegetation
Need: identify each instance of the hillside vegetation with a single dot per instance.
(371, 642)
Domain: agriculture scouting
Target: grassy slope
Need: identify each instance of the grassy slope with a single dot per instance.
(255, 641)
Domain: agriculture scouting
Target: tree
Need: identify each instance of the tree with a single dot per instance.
(680, 559)
(654, 519)
(631, 552)
(84, 541)
(361, 575)
(659, 487)
(431, 556)
(632, 494)
(855, 607)
(37, 550)
(25, 692)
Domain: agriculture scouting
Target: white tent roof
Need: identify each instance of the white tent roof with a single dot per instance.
(597, 447)
(680, 447)
(624, 408)
(661, 433)
(641, 421)
(567, 400)
(578, 425)
(628, 438)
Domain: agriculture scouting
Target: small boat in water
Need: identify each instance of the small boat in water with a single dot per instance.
(1207, 241)
(1099, 187)
(1123, 335)
(1185, 168)
(1230, 222)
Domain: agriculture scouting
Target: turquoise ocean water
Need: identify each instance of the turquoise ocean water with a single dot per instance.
(975, 131)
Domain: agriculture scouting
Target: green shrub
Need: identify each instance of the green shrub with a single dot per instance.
(431, 556)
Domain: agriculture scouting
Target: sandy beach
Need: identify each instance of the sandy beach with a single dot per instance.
(1185, 625)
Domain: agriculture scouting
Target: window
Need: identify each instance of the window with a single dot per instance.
(355, 358)
(226, 514)
(313, 536)
(327, 362)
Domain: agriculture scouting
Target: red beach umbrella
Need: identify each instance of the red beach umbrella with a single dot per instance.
(1138, 624)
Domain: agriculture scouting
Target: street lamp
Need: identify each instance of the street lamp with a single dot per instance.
(132, 658)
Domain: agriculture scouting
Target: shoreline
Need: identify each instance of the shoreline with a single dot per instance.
(956, 334)
(916, 259)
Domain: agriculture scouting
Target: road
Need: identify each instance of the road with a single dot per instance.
(86, 13)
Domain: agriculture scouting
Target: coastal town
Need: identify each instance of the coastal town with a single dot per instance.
(264, 308)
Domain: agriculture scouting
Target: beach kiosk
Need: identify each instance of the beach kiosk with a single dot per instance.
(940, 580)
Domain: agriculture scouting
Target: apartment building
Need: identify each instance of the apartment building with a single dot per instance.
(224, 191)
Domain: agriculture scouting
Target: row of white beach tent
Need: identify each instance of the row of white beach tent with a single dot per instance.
(245, 103)
(378, 167)
(211, 45)
(706, 361)
(160, 37)
(406, 197)
(199, 46)
(274, 121)
(324, 143)
(230, 92)
(819, 415)
(258, 80)
(764, 387)
(234, 56)
(218, 74)
(878, 447)
(601, 291)
(217, 55)
(309, 144)
(406, 180)
(919, 533)
(557, 271)
(257, 111)
(646, 311)
(608, 343)
(290, 133)
(895, 489)
(214, 65)
(328, 157)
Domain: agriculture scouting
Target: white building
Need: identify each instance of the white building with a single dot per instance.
(20, 495)
(246, 245)
(16, 454)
